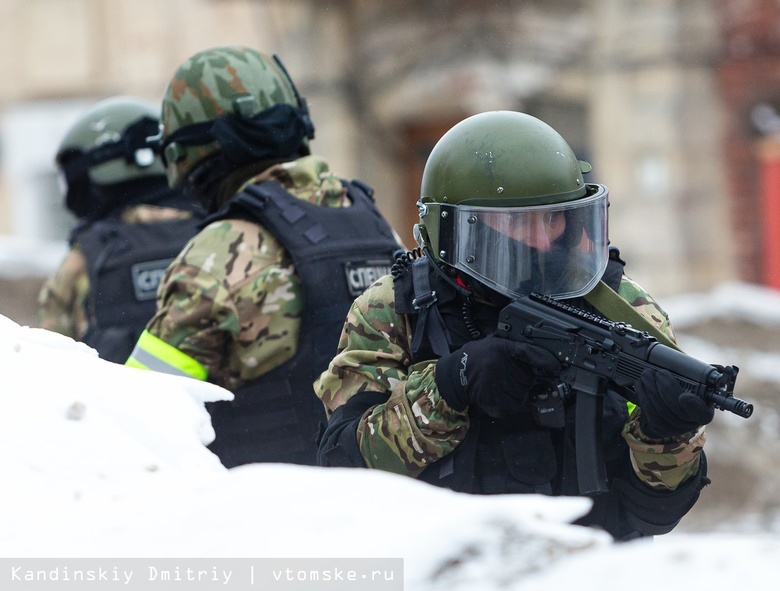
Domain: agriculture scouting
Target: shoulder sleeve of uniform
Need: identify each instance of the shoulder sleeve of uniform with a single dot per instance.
(195, 314)
(230, 281)
(62, 298)
(413, 426)
(664, 466)
(224, 241)
(372, 351)
(645, 305)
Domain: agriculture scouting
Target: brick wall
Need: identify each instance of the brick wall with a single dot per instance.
(748, 73)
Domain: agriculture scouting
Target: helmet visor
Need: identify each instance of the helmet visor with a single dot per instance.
(559, 250)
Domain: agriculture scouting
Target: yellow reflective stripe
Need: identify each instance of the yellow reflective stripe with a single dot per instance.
(153, 353)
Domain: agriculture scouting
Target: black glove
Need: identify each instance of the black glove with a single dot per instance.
(668, 410)
(494, 373)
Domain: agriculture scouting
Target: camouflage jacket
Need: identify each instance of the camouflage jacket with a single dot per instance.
(415, 427)
(61, 301)
(232, 300)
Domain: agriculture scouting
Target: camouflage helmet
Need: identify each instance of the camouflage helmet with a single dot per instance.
(109, 144)
(220, 99)
(503, 200)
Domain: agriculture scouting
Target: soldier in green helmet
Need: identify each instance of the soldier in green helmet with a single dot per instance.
(422, 386)
(131, 225)
(256, 300)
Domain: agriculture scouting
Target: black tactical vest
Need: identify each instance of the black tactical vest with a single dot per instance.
(125, 263)
(337, 252)
(507, 455)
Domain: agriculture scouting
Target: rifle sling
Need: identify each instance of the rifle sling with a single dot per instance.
(610, 304)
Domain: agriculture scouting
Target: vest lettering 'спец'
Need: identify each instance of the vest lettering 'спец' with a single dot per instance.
(360, 275)
(337, 253)
(146, 278)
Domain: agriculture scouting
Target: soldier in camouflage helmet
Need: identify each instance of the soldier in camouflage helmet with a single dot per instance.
(422, 386)
(131, 226)
(255, 301)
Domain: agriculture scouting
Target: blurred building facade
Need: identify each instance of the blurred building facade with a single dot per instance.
(642, 90)
(748, 74)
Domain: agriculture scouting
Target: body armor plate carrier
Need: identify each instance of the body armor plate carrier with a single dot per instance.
(337, 252)
(125, 263)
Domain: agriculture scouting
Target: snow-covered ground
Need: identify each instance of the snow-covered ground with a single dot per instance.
(100, 460)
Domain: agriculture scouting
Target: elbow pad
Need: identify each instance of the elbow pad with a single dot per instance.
(338, 446)
(654, 512)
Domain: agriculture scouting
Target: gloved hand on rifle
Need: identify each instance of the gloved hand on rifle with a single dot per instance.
(667, 410)
(494, 373)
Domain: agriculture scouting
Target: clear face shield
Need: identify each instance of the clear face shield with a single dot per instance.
(559, 250)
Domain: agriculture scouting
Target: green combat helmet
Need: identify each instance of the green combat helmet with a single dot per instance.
(503, 200)
(233, 102)
(110, 144)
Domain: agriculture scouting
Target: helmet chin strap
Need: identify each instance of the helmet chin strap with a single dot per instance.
(482, 293)
(203, 182)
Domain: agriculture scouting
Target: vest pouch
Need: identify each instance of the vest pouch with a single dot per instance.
(530, 457)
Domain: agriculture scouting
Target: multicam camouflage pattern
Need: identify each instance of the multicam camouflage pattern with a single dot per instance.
(61, 302)
(232, 300)
(663, 465)
(205, 86)
(633, 293)
(415, 427)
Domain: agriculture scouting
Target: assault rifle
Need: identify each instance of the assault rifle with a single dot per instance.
(597, 356)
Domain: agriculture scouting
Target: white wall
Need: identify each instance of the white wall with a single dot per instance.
(31, 132)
